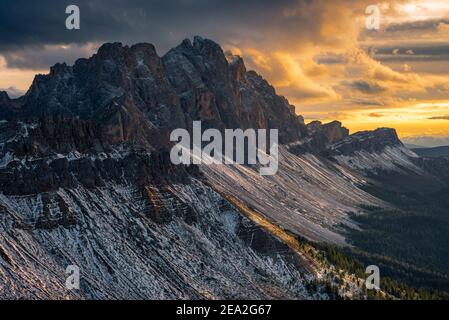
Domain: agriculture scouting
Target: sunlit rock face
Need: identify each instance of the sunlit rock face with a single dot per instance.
(133, 95)
(4, 98)
(332, 132)
(216, 88)
(371, 141)
(136, 237)
(320, 136)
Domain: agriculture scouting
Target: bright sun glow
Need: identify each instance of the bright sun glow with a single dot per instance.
(410, 8)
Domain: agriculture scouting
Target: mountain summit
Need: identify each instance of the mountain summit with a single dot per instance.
(130, 94)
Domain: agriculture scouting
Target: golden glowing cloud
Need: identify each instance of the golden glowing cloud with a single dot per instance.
(321, 57)
(349, 83)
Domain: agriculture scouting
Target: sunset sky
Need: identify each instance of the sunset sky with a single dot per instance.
(319, 54)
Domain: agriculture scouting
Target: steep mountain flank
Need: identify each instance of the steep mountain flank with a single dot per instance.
(86, 179)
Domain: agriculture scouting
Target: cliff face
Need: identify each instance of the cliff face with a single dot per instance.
(130, 94)
(320, 136)
(109, 117)
(369, 141)
(330, 132)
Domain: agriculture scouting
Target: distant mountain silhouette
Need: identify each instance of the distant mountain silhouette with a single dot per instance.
(432, 152)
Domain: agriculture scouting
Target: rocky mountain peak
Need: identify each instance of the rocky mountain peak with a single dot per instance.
(59, 69)
(209, 47)
(314, 126)
(386, 136)
(335, 131)
(111, 50)
(370, 141)
(203, 56)
(215, 87)
(237, 65)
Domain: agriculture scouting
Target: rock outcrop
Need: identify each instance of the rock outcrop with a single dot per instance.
(319, 137)
(369, 141)
(130, 94)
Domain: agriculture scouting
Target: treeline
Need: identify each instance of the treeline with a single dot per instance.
(343, 259)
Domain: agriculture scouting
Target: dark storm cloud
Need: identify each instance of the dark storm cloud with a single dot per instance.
(364, 86)
(367, 102)
(27, 26)
(264, 24)
(376, 115)
(412, 52)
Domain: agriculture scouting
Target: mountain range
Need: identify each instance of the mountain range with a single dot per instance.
(86, 180)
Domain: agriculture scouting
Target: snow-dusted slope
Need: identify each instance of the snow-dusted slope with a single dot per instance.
(396, 158)
(313, 194)
(309, 195)
(203, 248)
(375, 151)
(136, 227)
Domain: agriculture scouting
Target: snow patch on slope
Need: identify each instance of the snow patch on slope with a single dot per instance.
(395, 158)
(308, 195)
(124, 254)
